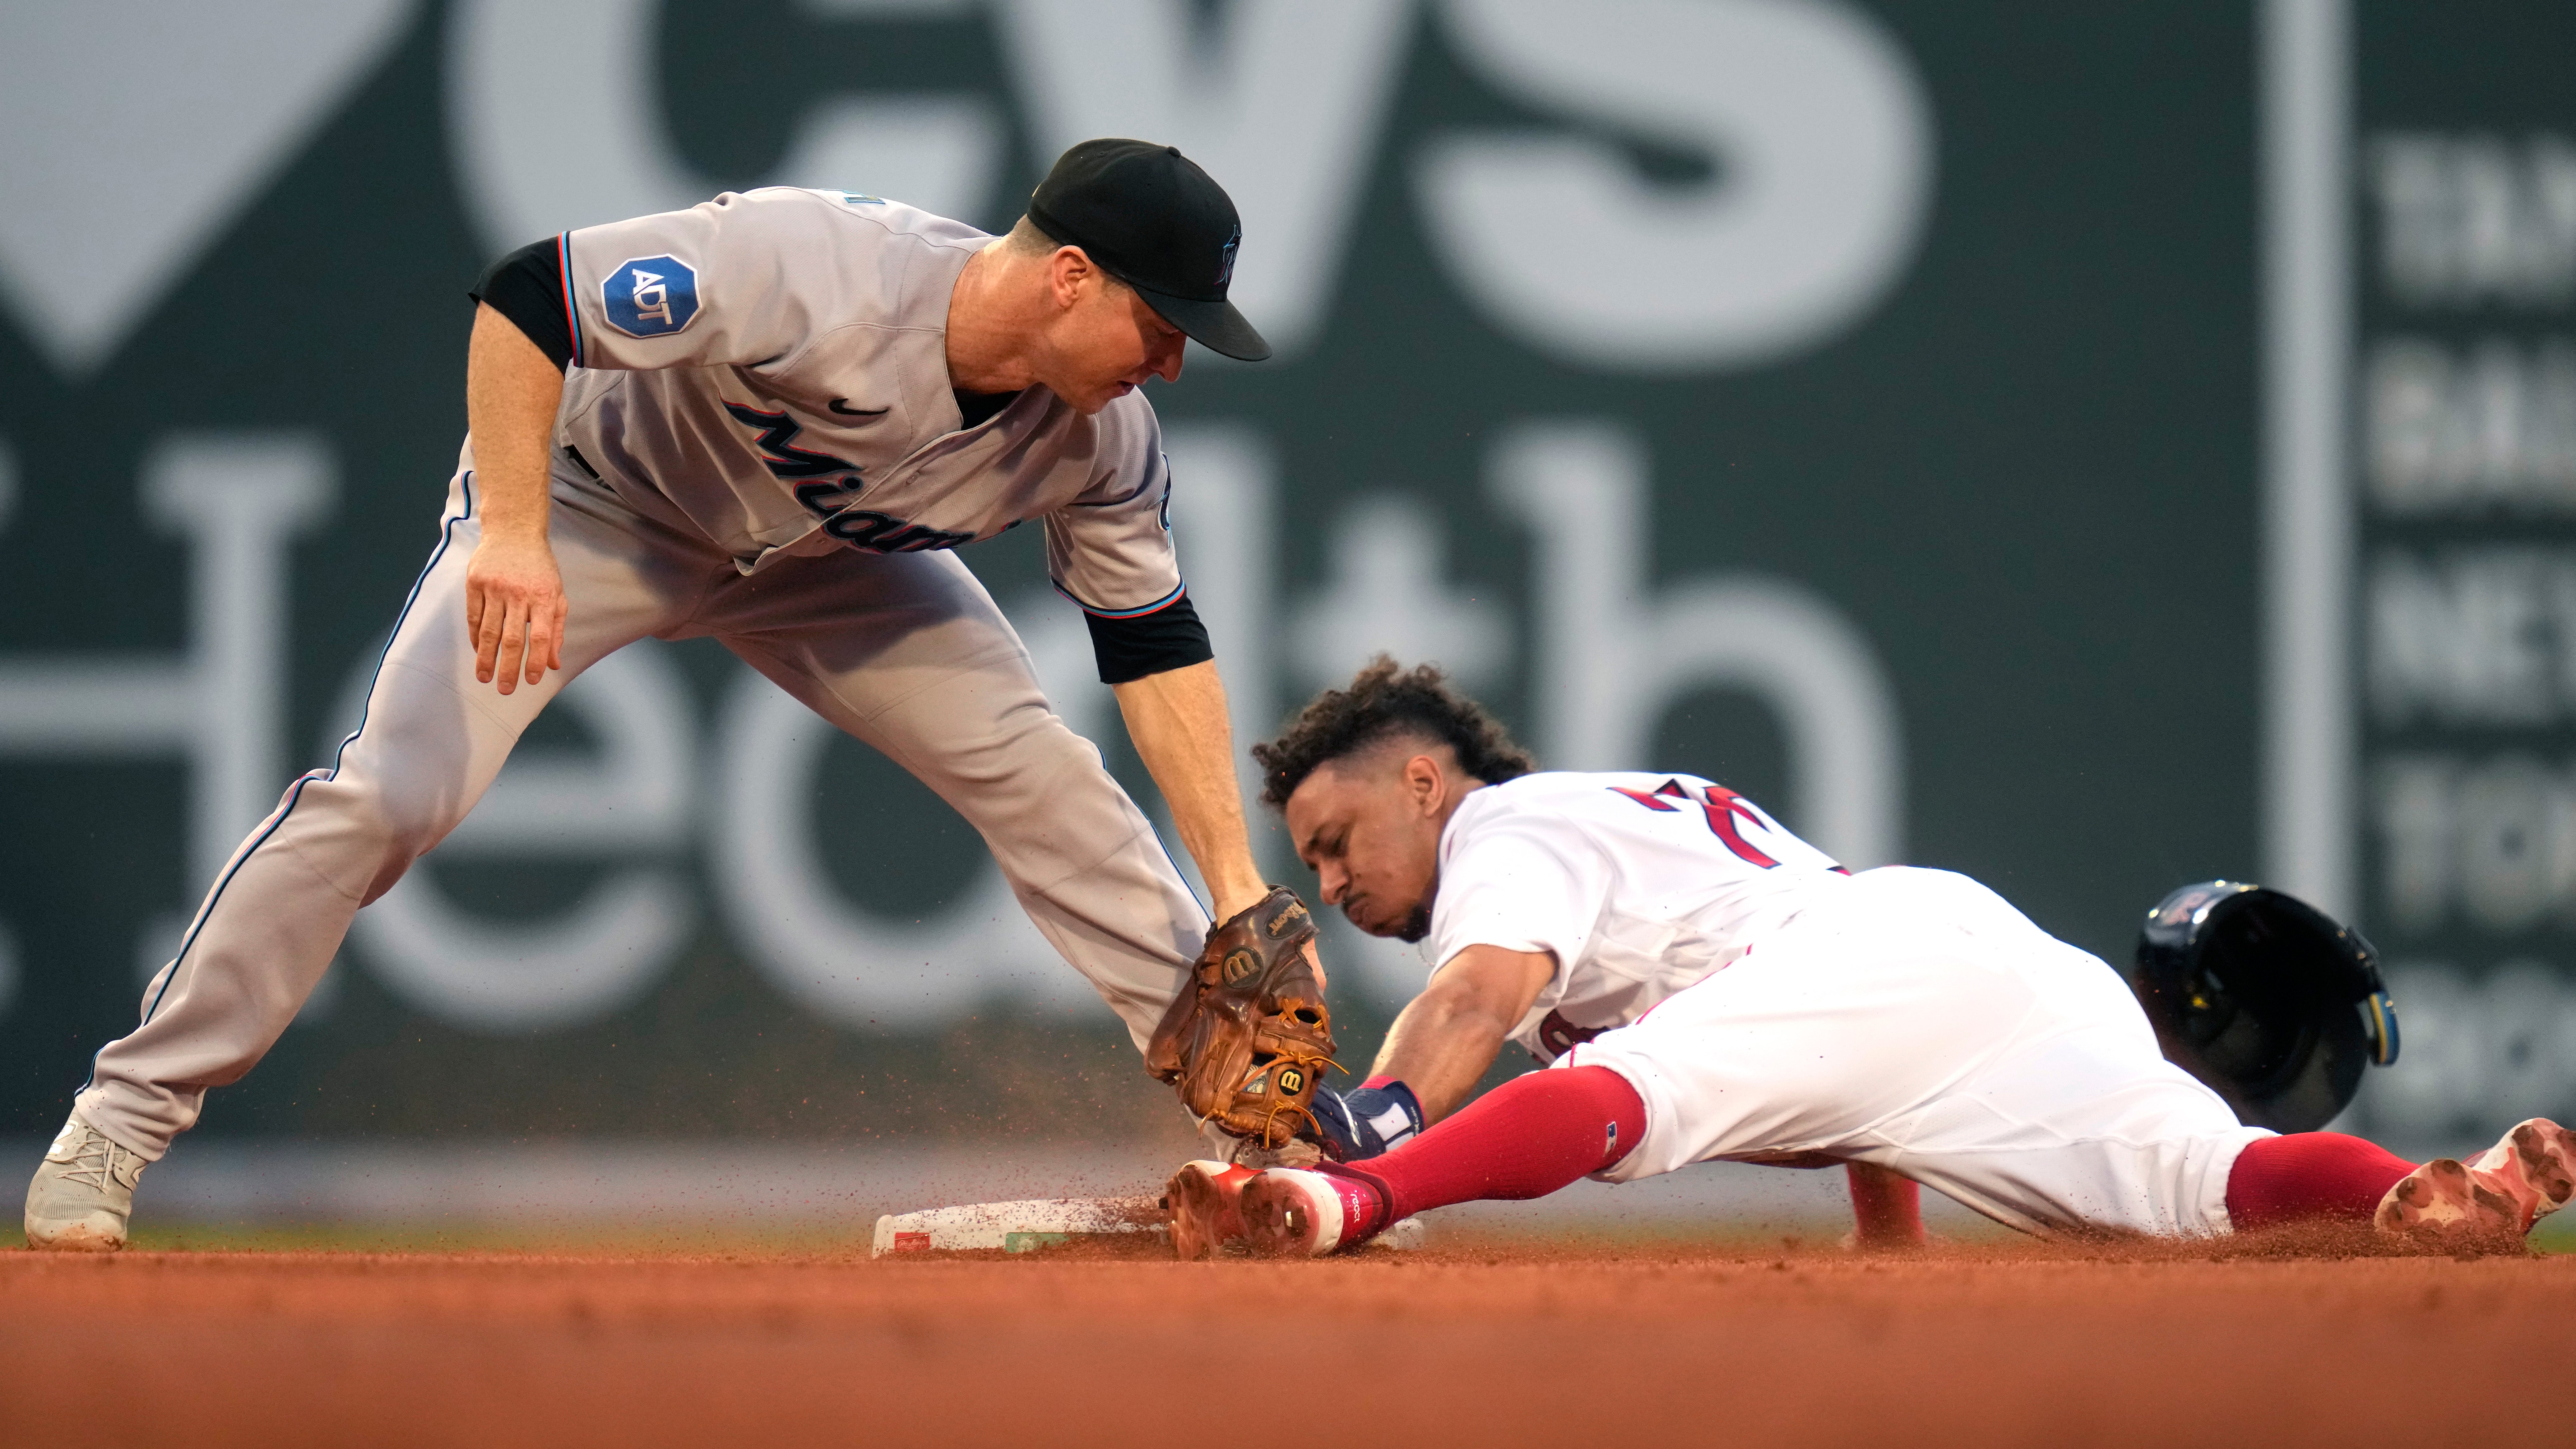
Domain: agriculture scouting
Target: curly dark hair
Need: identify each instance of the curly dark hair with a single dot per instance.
(1386, 701)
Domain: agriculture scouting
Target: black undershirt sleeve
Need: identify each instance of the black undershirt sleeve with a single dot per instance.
(1171, 637)
(527, 287)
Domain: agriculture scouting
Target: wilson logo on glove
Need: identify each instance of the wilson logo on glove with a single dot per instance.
(1292, 919)
(1248, 1032)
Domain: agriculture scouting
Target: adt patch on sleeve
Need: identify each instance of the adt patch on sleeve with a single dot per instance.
(650, 296)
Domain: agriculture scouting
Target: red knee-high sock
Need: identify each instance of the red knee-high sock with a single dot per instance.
(1887, 1210)
(1526, 1138)
(2310, 1175)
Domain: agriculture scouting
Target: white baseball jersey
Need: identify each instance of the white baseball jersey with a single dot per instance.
(1768, 1007)
(1639, 884)
(774, 363)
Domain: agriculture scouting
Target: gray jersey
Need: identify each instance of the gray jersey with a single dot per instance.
(774, 364)
(761, 379)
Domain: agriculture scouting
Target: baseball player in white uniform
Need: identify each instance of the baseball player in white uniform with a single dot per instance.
(768, 419)
(1706, 986)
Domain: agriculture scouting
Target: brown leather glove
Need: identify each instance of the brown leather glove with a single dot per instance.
(1248, 1037)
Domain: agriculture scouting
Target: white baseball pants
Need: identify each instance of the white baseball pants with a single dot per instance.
(1916, 1020)
(904, 651)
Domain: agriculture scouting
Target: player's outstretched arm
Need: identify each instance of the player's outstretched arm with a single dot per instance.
(1177, 719)
(514, 599)
(1442, 1043)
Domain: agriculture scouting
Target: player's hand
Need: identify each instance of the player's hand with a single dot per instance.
(514, 606)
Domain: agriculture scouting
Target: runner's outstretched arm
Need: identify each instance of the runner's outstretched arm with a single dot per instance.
(1442, 1043)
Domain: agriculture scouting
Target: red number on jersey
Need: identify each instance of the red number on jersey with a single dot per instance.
(1721, 807)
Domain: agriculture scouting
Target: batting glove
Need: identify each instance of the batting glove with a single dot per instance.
(1362, 1123)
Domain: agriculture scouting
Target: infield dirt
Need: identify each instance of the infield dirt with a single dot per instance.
(1485, 1345)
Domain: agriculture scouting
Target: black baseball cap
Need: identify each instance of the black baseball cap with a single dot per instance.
(1151, 218)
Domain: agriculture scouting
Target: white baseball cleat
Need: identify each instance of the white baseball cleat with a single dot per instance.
(2489, 1201)
(1292, 1212)
(1206, 1199)
(83, 1192)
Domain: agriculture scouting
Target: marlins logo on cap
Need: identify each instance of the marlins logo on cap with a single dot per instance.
(650, 296)
(1225, 269)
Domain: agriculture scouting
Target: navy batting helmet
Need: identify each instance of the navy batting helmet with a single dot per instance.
(2274, 1004)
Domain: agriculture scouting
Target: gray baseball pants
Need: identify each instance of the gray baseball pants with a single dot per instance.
(906, 652)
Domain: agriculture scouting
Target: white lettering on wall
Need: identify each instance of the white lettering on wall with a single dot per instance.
(555, 116)
(238, 499)
(1822, 143)
(1388, 591)
(2481, 1054)
(2488, 843)
(1280, 100)
(2472, 218)
(843, 961)
(2473, 636)
(2470, 629)
(1613, 650)
(2493, 425)
(627, 798)
(242, 499)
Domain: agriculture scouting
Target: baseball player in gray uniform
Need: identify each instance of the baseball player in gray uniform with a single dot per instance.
(769, 419)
